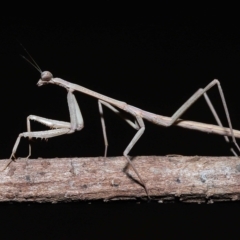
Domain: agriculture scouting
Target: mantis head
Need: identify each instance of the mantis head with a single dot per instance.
(46, 78)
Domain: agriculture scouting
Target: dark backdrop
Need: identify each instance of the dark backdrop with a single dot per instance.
(152, 63)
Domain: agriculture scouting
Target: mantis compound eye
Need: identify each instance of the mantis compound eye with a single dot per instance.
(46, 76)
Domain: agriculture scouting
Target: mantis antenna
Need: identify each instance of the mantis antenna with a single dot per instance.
(31, 60)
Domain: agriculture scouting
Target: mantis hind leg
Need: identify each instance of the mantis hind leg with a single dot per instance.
(195, 97)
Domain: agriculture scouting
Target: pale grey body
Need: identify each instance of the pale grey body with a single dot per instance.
(76, 120)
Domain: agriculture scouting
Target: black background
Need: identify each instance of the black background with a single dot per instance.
(153, 63)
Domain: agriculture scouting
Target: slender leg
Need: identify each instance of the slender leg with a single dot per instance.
(103, 127)
(47, 122)
(115, 110)
(194, 98)
(139, 125)
(218, 120)
(40, 134)
(129, 147)
(76, 120)
(76, 123)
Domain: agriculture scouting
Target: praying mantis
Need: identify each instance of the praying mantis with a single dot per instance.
(124, 110)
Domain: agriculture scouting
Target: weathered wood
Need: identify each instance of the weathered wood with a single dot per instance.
(169, 178)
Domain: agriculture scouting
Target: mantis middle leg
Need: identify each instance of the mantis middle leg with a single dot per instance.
(138, 125)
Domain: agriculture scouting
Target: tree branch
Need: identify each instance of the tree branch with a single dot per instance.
(170, 178)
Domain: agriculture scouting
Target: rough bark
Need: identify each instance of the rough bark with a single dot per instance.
(169, 178)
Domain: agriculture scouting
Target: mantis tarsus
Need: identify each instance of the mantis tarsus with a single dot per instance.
(76, 120)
